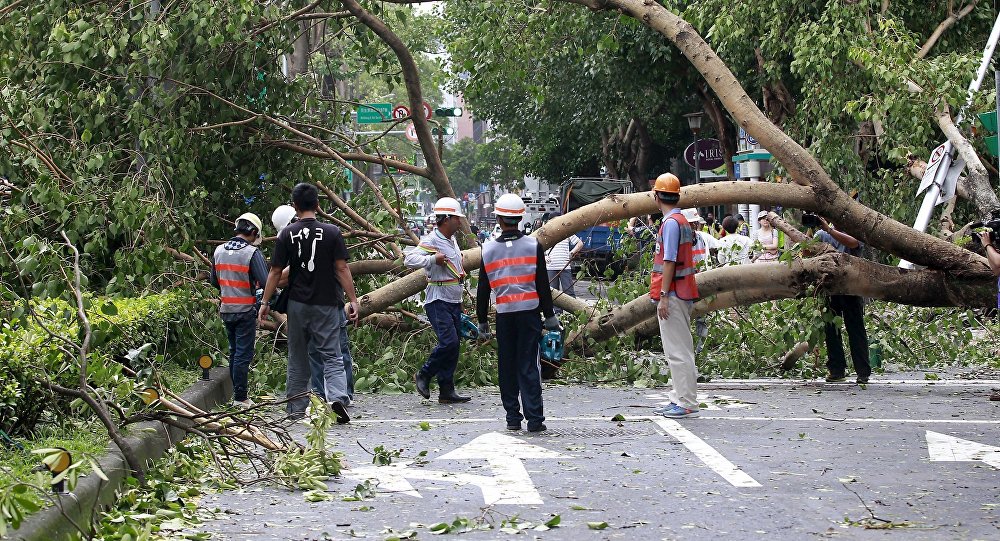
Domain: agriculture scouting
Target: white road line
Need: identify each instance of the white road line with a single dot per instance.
(879, 383)
(605, 419)
(712, 458)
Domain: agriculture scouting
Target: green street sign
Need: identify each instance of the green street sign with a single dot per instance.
(373, 113)
(989, 122)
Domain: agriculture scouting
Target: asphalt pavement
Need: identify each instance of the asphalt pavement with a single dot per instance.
(901, 458)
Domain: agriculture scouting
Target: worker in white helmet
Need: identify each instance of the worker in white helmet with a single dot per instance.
(514, 267)
(439, 255)
(238, 270)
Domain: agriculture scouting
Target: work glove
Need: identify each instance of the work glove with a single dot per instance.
(552, 324)
(484, 331)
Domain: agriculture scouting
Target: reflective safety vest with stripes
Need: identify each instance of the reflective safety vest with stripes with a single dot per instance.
(684, 269)
(511, 267)
(452, 273)
(232, 268)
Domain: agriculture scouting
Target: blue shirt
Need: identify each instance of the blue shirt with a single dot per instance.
(671, 237)
(829, 239)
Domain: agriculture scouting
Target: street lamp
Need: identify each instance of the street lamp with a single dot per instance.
(694, 122)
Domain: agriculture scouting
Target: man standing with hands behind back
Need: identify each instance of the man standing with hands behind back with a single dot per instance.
(318, 279)
(673, 289)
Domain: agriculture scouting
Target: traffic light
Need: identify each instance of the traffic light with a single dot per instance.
(448, 130)
(448, 111)
(989, 122)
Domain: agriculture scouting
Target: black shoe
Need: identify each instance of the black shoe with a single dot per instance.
(341, 412)
(449, 396)
(539, 428)
(423, 384)
(513, 427)
(862, 380)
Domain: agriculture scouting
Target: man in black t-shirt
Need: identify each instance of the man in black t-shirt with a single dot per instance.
(318, 279)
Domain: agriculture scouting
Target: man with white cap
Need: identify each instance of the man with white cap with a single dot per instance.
(238, 270)
(701, 249)
(439, 255)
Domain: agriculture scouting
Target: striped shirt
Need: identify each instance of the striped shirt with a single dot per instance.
(557, 257)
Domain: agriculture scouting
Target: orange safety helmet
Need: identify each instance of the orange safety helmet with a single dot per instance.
(667, 183)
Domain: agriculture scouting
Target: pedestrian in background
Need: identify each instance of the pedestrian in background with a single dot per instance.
(439, 255)
(238, 270)
(767, 236)
(851, 309)
(673, 289)
(318, 280)
(558, 262)
(733, 249)
(514, 266)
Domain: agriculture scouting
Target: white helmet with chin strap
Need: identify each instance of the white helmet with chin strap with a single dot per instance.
(255, 226)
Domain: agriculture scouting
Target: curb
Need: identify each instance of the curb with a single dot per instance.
(91, 494)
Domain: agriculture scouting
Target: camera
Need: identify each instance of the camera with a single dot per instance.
(810, 220)
(992, 227)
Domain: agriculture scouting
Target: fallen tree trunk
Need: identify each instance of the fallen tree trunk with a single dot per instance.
(833, 273)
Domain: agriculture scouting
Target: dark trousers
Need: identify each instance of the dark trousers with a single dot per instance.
(518, 366)
(851, 308)
(445, 318)
(241, 329)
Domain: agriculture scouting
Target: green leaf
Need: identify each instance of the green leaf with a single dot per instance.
(597, 525)
(86, 136)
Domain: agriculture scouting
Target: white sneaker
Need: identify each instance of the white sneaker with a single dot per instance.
(243, 404)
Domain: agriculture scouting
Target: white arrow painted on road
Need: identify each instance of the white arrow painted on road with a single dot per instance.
(945, 448)
(510, 483)
(504, 454)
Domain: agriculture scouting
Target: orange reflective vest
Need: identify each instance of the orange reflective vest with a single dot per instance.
(683, 283)
(511, 267)
(232, 267)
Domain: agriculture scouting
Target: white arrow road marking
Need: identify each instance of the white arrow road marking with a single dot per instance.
(391, 478)
(711, 401)
(945, 448)
(504, 454)
(707, 454)
(510, 483)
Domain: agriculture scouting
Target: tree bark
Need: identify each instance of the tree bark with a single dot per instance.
(833, 273)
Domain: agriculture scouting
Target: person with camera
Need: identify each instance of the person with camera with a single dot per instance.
(993, 256)
(849, 307)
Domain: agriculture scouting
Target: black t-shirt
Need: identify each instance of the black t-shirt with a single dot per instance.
(311, 247)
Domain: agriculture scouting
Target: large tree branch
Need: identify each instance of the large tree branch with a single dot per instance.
(411, 77)
(866, 224)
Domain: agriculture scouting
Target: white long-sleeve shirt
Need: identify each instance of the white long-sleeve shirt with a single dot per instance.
(445, 280)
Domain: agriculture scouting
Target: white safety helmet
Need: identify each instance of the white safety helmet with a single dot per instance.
(282, 216)
(448, 206)
(509, 205)
(254, 221)
(691, 215)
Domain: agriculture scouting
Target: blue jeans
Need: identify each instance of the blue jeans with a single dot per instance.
(241, 329)
(314, 333)
(445, 317)
(316, 365)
